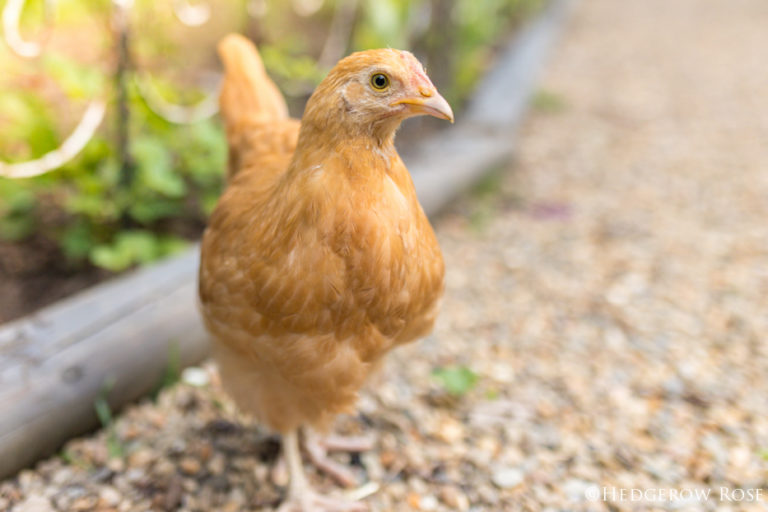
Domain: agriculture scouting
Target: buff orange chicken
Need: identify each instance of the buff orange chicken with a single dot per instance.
(318, 259)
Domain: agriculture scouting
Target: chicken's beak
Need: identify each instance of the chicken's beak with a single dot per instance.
(429, 102)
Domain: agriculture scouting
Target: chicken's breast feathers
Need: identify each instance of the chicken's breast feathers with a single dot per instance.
(317, 276)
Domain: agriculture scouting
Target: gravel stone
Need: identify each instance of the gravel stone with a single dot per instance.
(109, 496)
(189, 466)
(34, 504)
(506, 477)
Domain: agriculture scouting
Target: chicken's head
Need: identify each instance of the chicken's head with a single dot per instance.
(376, 89)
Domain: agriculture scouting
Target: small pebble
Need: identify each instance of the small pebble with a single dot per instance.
(34, 504)
(454, 498)
(195, 376)
(109, 496)
(141, 457)
(189, 466)
(428, 502)
(507, 477)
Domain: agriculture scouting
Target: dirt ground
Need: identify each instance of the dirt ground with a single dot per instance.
(604, 327)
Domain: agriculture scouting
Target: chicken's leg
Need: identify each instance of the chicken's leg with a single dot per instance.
(301, 497)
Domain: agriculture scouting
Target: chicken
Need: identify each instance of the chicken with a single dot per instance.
(318, 259)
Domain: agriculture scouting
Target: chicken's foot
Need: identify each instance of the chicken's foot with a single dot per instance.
(301, 497)
(317, 449)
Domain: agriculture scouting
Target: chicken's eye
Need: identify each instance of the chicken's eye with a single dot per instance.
(380, 81)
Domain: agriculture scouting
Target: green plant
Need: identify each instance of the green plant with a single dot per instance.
(457, 380)
(177, 173)
(104, 413)
(485, 198)
(548, 102)
(70, 457)
(172, 371)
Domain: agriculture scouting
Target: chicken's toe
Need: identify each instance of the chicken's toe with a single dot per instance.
(317, 450)
(310, 501)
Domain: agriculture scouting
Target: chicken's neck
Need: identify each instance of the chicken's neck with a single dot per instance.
(360, 145)
(378, 136)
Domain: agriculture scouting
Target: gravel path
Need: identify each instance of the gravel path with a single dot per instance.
(605, 322)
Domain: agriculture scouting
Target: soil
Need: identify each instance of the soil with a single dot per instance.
(34, 274)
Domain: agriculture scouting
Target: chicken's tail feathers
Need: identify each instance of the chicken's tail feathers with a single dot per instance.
(247, 93)
(249, 98)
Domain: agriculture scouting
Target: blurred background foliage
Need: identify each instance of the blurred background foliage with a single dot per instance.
(113, 208)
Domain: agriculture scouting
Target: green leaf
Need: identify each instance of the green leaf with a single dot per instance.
(140, 245)
(104, 413)
(155, 167)
(16, 227)
(17, 210)
(134, 247)
(172, 372)
(77, 80)
(110, 258)
(548, 102)
(150, 210)
(457, 380)
(292, 68)
(169, 245)
(209, 202)
(15, 196)
(129, 248)
(91, 205)
(383, 25)
(76, 241)
(28, 128)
